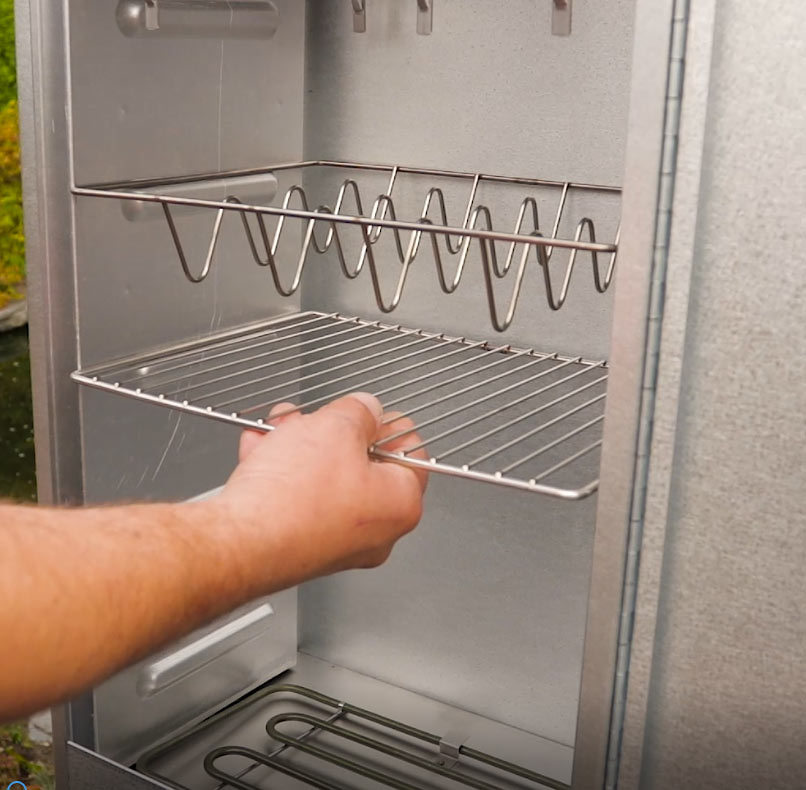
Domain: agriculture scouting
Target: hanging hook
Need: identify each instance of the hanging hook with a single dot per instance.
(425, 17)
(360, 16)
(561, 18)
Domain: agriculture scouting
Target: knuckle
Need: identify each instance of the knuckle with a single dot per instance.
(401, 421)
(377, 557)
(411, 512)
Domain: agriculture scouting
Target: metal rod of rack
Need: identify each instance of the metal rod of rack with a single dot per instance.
(450, 396)
(223, 175)
(289, 343)
(503, 426)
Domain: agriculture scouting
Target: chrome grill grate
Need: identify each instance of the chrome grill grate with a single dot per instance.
(485, 411)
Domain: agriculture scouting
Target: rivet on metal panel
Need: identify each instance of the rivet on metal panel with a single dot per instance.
(561, 18)
(360, 16)
(425, 17)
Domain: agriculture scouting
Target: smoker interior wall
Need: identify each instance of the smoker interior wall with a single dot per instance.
(484, 605)
(140, 109)
(154, 108)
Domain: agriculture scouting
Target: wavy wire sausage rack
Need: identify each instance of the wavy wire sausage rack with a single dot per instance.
(486, 411)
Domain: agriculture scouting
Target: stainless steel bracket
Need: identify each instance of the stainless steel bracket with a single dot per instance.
(152, 15)
(450, 749)
(561, 18)
(425, 17)
(360, 16)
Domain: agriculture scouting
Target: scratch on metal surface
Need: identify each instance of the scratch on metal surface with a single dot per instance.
(142, 477)
(215, 319)
(221, 91)
(167, 447)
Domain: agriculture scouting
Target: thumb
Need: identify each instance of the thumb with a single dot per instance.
(362, 409)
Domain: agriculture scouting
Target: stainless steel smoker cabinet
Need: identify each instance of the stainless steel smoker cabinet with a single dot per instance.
(233, 203)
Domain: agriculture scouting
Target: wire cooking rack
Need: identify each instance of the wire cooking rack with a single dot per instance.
(358, 743)
(504, 255)
(515, 417)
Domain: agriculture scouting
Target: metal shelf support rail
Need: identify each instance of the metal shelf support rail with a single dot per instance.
(447, 241)
(487, 412)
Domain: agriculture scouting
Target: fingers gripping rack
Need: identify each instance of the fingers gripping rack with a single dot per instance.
(351, 233)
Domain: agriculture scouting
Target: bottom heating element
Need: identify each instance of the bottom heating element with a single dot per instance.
(444, 759)
(328, 744)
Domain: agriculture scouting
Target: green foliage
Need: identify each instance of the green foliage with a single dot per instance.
(12, 239)
(12, 244)
(17, 475)
(23, 761)
(8, 60)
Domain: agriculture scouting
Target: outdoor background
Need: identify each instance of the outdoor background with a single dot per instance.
(21, 759)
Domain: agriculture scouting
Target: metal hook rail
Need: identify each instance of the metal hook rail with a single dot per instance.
(446, 241)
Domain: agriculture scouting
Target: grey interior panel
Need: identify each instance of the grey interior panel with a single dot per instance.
(490, 579)
(488, 587)
(442, 101)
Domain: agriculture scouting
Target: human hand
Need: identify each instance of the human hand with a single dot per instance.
(313, 501)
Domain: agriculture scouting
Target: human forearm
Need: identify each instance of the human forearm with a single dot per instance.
(85, 592)
(91, 589)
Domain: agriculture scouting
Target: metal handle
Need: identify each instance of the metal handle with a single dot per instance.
(172, 668)
(197, 18)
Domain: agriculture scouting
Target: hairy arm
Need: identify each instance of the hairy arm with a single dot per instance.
(84, 592)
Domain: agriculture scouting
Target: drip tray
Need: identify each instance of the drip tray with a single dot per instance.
(326, 727)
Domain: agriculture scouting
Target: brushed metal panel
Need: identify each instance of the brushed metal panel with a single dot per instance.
(147, 108)
(726, 699)
(628, 411)
(678, 281)
(484, 605)
(491, 90)
(45, 160)
(44, 134)
(86, 770)
(143, 108)
(129, 719)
